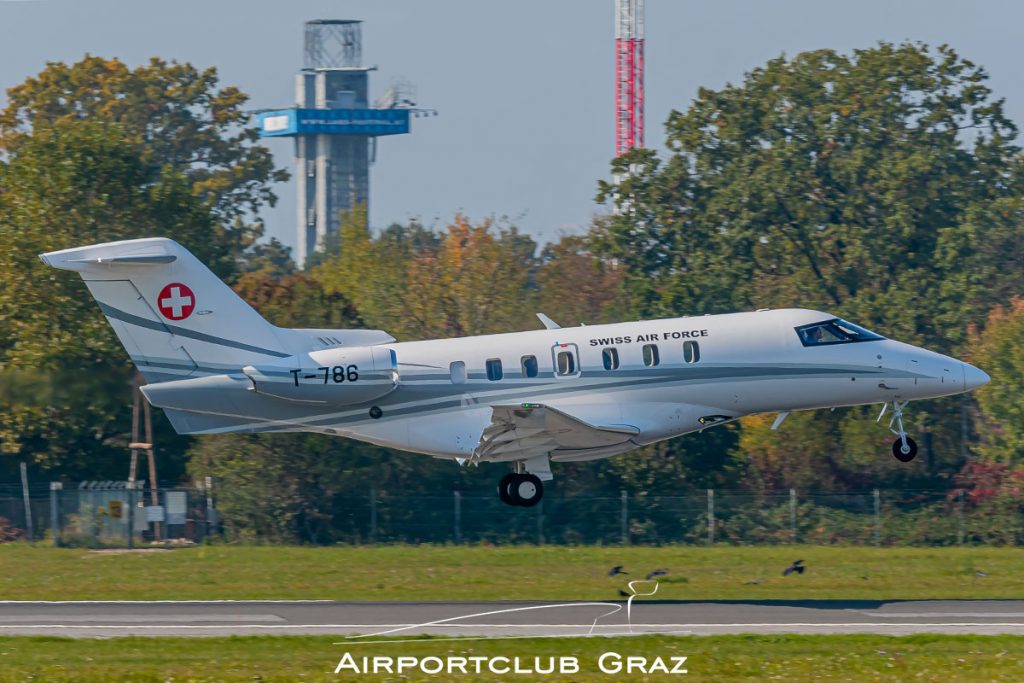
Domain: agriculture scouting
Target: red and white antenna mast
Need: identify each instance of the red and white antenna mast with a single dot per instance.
(629, 75)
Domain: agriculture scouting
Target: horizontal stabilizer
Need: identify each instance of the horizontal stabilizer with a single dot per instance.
(185, 422)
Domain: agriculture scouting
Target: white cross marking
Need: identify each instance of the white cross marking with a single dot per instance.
(176, 302)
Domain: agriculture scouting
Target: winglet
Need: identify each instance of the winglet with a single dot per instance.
(548, 322)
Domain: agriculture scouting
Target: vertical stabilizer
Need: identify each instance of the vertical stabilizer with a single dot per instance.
(173, 316)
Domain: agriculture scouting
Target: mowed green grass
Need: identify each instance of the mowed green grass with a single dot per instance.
(714, 658)
(501, 573)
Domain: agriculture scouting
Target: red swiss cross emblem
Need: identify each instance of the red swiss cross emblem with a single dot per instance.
(176, 301)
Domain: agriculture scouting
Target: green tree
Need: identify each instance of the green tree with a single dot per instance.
(178, 116)
(272, 258)
(853, 183)
(883, 186)
(95, 152)
(76, 183)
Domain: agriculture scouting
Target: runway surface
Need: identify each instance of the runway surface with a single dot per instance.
(468, 619)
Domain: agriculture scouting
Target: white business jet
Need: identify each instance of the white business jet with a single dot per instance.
(528, 398)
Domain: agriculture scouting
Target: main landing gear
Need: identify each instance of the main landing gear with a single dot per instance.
(904, 449)
(520, 488)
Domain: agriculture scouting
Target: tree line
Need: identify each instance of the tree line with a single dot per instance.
(884, 185)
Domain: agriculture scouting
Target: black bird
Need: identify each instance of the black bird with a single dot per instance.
(623, 594)
(656, 573)
(616, 570)
(797, 567)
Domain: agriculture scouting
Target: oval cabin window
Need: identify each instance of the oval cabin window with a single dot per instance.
(651, 357)
(566, 363)
(691, 351)
(457, 370)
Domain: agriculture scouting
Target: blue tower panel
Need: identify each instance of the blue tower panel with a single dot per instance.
(368, 122)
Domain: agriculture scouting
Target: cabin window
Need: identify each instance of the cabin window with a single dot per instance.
(691, 351)
(457, 369)
(651, 357)
(529, 364)
(494, 369)
(565, 363)
(610, 357)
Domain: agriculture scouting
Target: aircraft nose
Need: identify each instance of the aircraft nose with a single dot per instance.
(974, 377)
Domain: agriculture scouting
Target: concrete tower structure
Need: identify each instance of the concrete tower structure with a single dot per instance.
(335, 128)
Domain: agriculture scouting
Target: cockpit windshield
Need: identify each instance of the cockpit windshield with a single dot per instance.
(835, 331)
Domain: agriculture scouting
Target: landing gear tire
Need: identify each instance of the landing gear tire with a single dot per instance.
(527, 490)
(505, 489)
(904, 454)
(522, 490)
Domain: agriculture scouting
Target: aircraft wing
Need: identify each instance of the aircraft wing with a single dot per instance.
(528, 430)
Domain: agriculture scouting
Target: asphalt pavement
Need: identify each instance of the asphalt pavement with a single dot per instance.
(367, 620)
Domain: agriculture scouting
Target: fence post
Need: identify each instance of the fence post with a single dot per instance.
(540, 523)
(711, 516)
(131, 514)
(878, 517)
(624, 516)
(792, 515)
(208, 486)
(457, 531)
(28, 504)
(55, 512)
(960, 517)
(373, 515)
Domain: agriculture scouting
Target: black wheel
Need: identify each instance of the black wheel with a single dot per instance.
(527, 490)
(505, 489)
(904, 455)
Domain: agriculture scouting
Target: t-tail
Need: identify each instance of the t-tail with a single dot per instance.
(209, 359)
(174, 317)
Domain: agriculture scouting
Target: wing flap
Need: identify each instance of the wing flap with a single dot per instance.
(524, 431)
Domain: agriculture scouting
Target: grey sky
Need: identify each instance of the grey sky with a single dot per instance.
(524, 88)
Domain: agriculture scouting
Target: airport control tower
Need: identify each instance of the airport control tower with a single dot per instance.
(335, 128)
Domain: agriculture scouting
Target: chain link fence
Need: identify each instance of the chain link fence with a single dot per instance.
(95, 514)
(105, 514)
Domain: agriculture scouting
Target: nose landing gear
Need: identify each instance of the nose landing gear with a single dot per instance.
(904, 448)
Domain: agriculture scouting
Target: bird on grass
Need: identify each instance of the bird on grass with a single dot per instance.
(797, 567)
(616, 570)
(656, 573)
(753, 582)
(623, 594)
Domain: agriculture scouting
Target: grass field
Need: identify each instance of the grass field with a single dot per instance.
(514, 572)
(715, 658)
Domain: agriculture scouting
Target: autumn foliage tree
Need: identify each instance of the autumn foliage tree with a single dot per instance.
(999, 349)
(464, 279)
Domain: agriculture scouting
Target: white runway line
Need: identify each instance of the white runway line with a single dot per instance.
(785, 624)
(163, 602)
(941, 615)
(143, 620)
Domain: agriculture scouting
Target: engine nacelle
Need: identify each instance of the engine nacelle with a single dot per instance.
(340, 376)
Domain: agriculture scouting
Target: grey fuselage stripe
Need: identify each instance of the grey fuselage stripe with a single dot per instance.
(131, 319)
(400, 404)
(684, 375)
